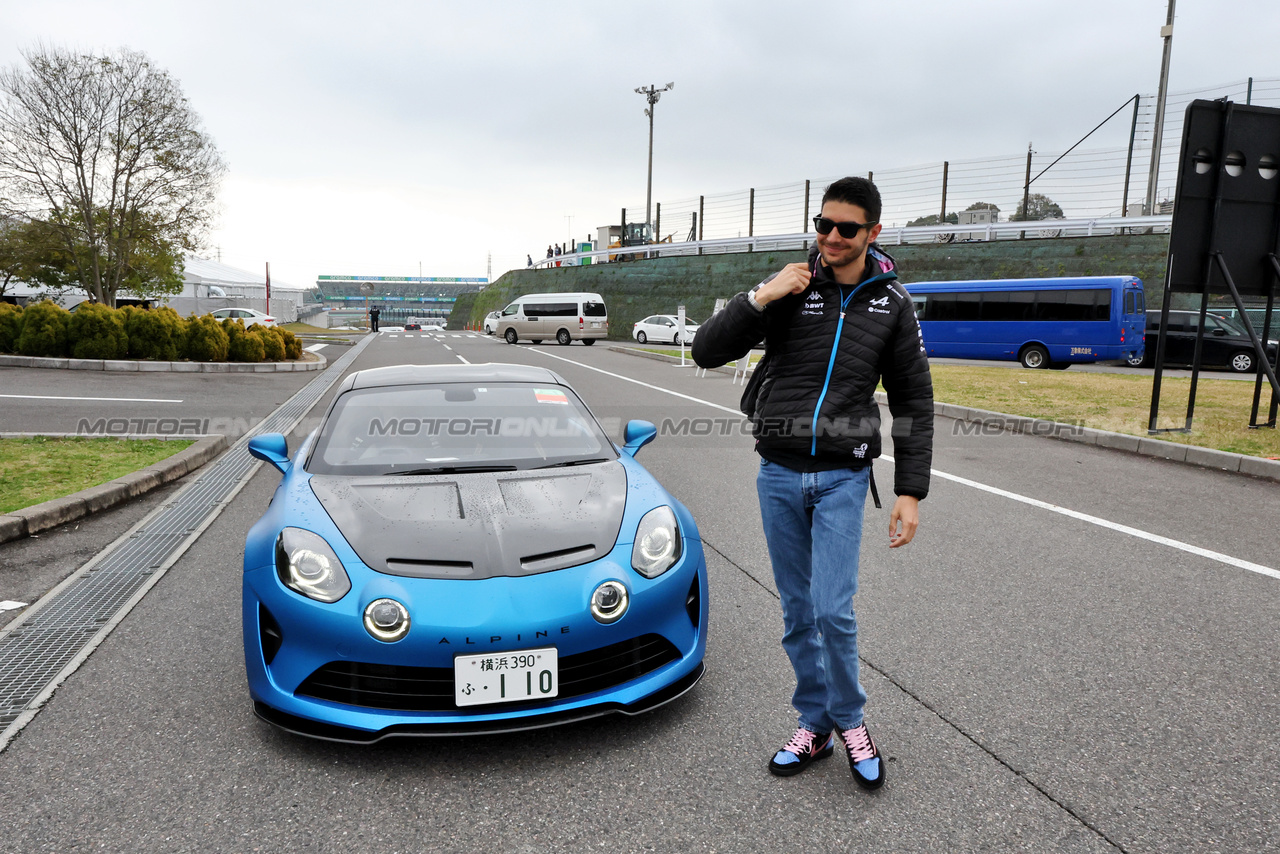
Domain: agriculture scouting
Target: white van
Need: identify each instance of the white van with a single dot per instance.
(564, 317)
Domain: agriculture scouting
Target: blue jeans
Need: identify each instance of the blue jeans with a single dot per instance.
(813, 524)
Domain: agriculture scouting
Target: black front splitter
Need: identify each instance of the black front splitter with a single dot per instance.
(333, 732)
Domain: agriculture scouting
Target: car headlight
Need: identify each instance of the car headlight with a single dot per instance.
(657, 545)
(307, 564)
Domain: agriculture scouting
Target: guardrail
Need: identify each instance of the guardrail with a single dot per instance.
(975, 233)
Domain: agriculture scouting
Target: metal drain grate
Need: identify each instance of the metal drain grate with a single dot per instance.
(41, 650)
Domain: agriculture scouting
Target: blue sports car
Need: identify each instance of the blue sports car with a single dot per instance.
(461, 549)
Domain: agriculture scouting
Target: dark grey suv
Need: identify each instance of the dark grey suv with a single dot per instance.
(1226, 343)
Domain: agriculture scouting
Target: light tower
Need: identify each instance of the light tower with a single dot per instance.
(652, 94)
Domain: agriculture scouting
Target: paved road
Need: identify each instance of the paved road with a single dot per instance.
(1039, 681)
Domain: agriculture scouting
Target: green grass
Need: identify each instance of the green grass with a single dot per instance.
(304, 329)
(41, 468)
(1120, 403)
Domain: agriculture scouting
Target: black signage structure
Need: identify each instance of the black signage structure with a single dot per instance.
(1225, 236)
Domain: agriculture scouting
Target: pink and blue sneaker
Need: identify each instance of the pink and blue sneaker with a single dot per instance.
(804, 747)
(864, 759)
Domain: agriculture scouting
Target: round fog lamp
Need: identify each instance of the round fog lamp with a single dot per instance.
(609, 602)
(386, 619)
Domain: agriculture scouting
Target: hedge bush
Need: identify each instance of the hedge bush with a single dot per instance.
(44, 330)
(243, 347)
(10, 327)
(206, 340)
(292, 345)
(156, 334)
(97, 332)
(272, 342)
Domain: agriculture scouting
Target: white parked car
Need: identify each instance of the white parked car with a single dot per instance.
(664, 328)
(491, 323)
(248, 316)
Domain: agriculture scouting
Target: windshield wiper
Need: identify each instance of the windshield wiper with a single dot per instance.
(575, 463)
(448, 470)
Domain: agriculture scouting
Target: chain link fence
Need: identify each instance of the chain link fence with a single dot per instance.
(1084, 183)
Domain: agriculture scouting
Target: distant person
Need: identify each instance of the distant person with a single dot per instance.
(373, 318)
(550, 253)
(557, 254)
(529, 259)
(833, 328)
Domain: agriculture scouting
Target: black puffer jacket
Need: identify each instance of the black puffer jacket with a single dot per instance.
(806, 379)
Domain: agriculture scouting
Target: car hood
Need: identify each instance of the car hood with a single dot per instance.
(480, 525)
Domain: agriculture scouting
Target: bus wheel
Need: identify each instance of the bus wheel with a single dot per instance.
(588, 341)
(511, 336)
(562, 337)
(1034, 356)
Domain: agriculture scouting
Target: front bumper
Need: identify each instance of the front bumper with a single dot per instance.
(294, 644)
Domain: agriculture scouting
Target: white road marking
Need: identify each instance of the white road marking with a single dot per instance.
(315, 348)
(447, 347)
(460, 359)
(115, 399)
(10, 605)
(1012, 496)
(1111, 526)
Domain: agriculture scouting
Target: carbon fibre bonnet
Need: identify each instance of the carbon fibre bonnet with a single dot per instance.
(473, 526)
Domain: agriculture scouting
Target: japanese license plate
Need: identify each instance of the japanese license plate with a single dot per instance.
(506, 677)
(595, 324)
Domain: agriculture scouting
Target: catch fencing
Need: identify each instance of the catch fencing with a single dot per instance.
(1088, 185)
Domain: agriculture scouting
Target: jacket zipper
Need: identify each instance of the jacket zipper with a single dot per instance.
(831, 363)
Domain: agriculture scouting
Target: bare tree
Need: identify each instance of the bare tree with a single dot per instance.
(107, 151)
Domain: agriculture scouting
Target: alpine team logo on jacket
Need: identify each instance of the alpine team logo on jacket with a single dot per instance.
(883, 301)
(813, 304)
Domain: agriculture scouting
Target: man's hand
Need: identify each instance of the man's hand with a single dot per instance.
(906, 510)
(793, 279)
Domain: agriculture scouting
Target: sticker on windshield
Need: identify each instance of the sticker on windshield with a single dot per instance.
(547, 395)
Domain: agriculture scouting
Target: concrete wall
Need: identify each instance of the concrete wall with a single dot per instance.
(635, 289)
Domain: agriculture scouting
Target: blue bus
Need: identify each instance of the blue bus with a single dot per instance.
(1042, 323)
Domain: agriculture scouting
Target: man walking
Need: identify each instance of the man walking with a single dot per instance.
(373, 319)
(833, 328)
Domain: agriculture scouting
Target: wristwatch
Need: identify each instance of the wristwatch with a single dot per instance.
(751, 297)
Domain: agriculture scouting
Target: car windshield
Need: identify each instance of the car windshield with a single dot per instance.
(1232, 325)
(453, 427)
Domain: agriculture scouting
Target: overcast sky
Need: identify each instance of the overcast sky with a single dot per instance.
(371, 137)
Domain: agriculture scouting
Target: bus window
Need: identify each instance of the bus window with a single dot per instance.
(919, 302)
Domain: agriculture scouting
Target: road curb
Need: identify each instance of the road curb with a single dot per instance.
(141, 365)
(50, 514)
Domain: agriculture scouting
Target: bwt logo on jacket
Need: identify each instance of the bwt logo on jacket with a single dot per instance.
(860, 451)
(813, 304)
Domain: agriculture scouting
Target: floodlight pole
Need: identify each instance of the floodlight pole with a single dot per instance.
(1153, 178)
(652, 94)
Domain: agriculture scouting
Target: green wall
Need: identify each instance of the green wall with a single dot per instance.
(634, 290)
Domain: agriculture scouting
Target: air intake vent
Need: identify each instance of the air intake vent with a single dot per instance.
(430, 689)
(430, 568)
(558, 559)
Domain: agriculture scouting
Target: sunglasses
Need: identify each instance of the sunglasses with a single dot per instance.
(848, 230)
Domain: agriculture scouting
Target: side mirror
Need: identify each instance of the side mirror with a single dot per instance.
(636, 435)
(1219, 331)
(272, 448)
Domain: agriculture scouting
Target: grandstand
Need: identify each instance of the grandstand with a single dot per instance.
(399, 297)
